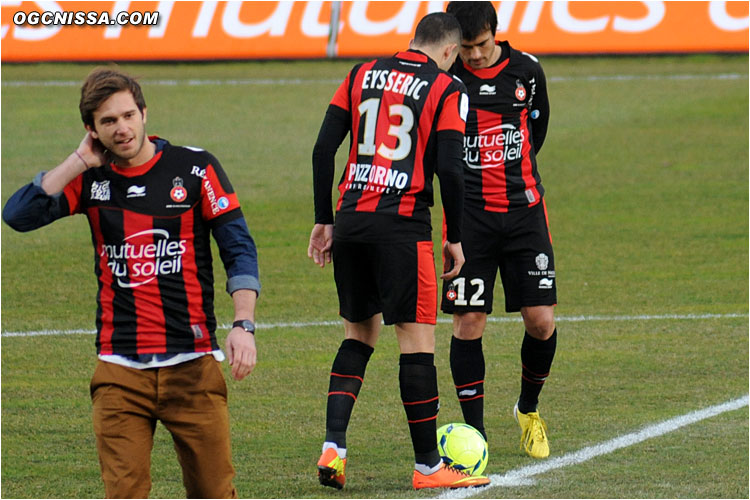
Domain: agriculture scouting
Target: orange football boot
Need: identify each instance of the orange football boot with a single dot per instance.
(331, 469)
(448, 477)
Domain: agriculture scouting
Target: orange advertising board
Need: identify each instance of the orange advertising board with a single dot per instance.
(207, 30)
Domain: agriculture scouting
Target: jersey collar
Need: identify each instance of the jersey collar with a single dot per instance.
(145, 167)
(415, 56)
(494, 70)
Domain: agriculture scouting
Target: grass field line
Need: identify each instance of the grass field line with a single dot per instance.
(193, 82)
(523, 476)
(491, 319)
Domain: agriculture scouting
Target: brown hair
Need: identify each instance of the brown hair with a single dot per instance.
(100, 85)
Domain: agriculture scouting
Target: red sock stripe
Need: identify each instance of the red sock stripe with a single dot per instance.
(461, 400)
(342, 393)
(540, 375)
(420, 402)
(422, 420)
(347, 376)
(538, 381)
(472, 383)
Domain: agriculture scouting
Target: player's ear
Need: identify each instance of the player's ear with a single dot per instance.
(144, 112)
(449, 51)
(91, 130)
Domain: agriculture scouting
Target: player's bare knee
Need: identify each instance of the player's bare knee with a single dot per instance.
(469, 326)
(541, 329)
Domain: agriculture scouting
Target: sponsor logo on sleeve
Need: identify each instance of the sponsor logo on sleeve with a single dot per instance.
(217, 204)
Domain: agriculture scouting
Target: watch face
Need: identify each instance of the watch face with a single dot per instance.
(245, 324)
(248, 326)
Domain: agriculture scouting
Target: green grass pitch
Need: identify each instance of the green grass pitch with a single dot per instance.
(646, 171)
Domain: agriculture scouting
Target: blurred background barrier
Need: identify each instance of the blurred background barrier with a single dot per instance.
(210, 30)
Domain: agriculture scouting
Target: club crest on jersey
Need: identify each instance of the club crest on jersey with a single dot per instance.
(520, 91)
(178, 192)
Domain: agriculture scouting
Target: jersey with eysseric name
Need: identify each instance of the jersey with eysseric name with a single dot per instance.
(507, 124)
(396, 107)
(150, 226)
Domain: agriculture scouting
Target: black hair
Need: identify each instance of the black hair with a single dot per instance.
(436, 28)
(474, 18)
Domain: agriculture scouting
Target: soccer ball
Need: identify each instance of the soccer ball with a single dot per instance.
(463, 447)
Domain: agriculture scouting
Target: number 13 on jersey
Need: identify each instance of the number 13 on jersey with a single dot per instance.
(401, 131)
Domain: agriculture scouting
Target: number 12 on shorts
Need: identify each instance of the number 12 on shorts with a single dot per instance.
(458, 287)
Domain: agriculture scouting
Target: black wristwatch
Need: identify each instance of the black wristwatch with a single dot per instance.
(245, 324)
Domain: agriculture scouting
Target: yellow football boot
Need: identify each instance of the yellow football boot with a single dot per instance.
(533, 433)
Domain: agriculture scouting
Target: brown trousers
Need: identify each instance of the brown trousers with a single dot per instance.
(190, 399)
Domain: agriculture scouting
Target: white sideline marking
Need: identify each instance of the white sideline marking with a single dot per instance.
(491, 319)
(523, 475)
(333, 81)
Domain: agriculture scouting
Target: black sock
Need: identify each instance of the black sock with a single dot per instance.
(419, 392)
(536, 360)
(347, 374)
(467, 367)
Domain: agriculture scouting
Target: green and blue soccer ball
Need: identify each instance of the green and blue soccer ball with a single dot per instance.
(462, 447)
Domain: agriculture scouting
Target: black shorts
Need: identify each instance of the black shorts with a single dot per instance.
(516, 242)
(397, 279)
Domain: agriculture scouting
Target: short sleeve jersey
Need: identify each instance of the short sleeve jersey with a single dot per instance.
(150, 226)
(396, 107)
(499, 155)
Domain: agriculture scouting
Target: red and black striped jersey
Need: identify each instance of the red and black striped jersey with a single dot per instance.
(150, 226)
(507, 124)
(394, 108)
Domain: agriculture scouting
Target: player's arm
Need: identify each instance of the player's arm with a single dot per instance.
(238, 254)
(449, 168)
(31, 207)
(240, 258)
(88, 154)
(539, 110)
(54, 194)
(332, 132)
(240, 344)
(335, 127)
